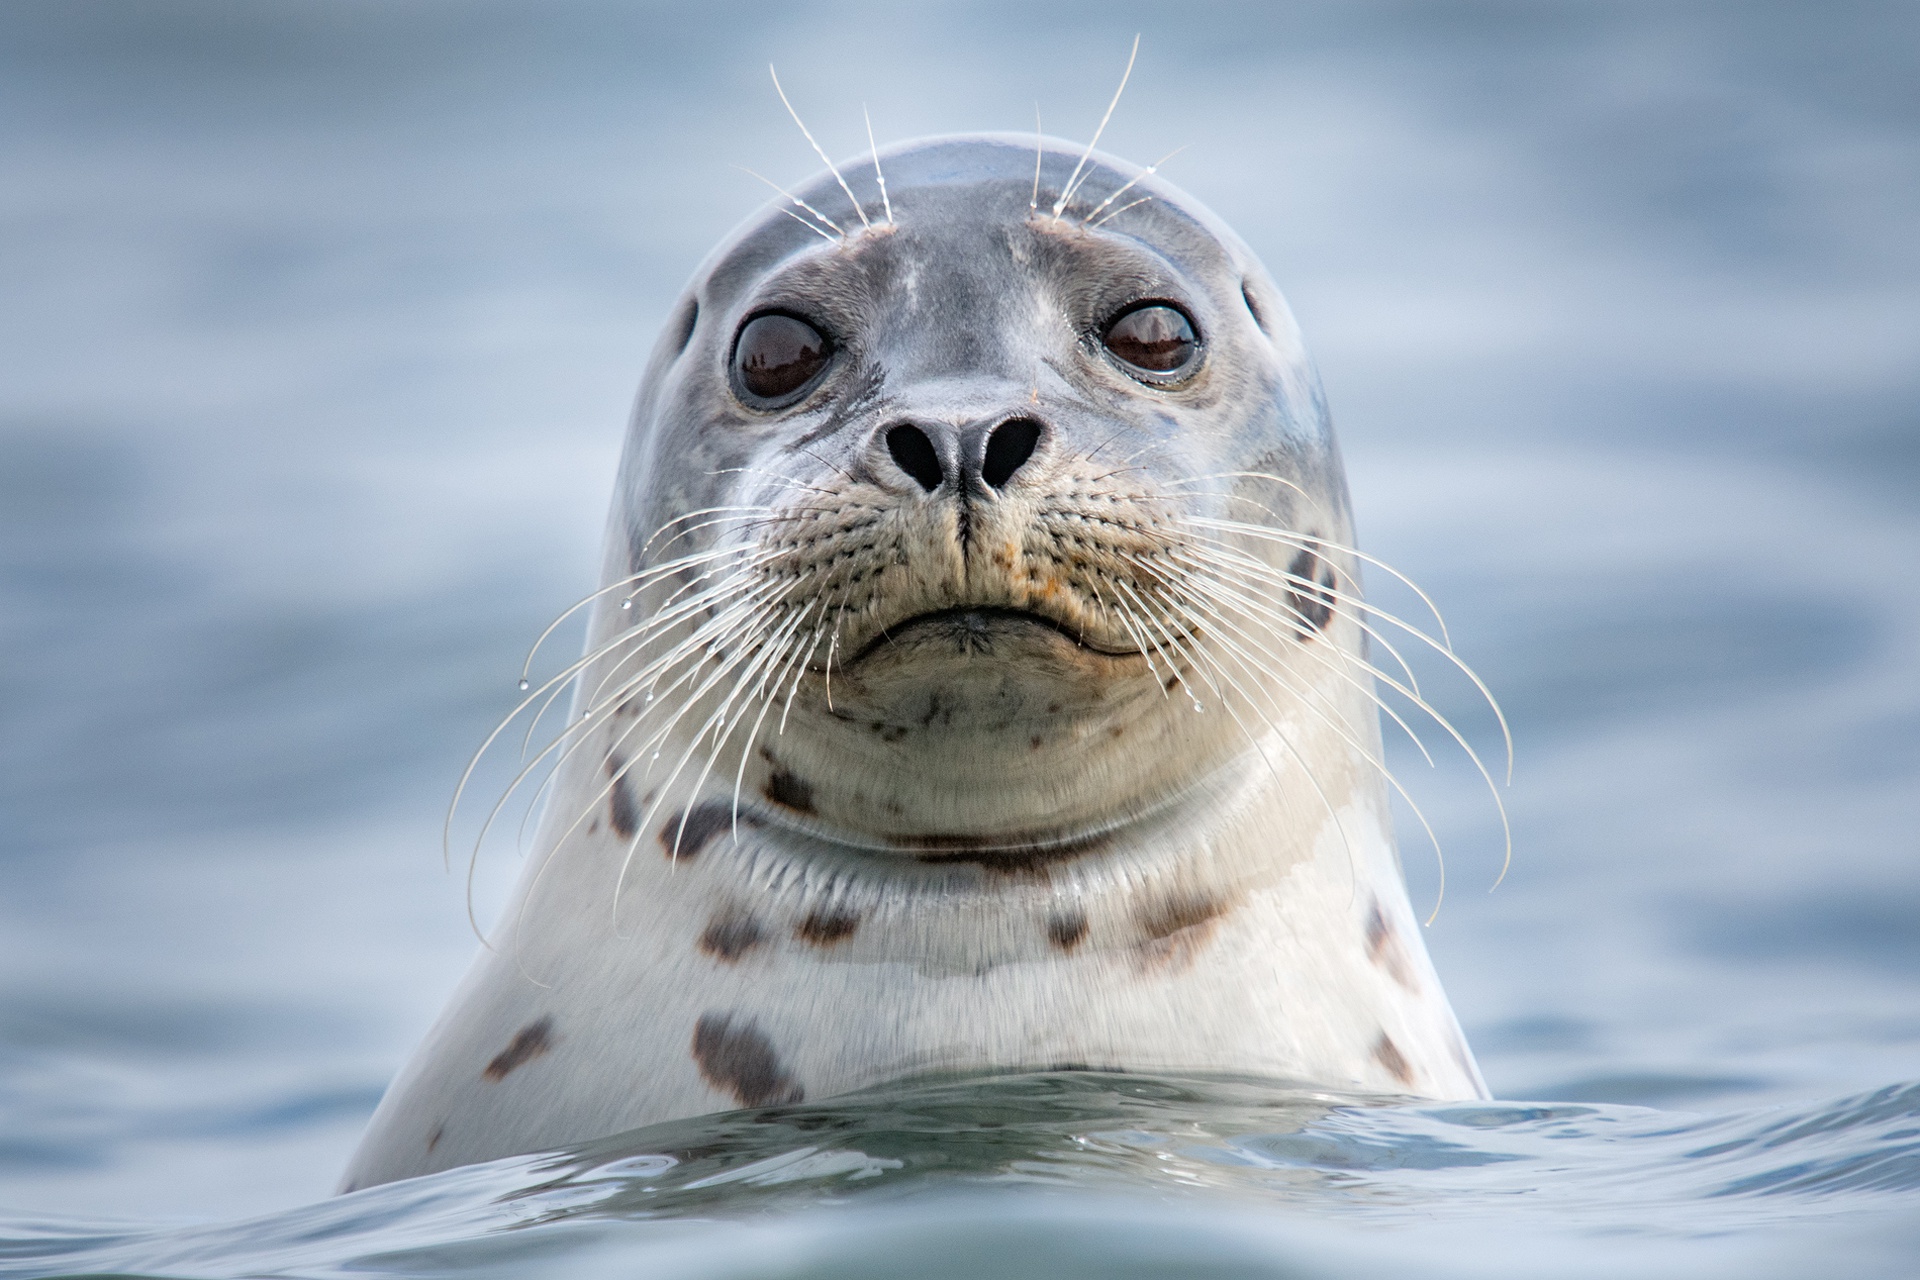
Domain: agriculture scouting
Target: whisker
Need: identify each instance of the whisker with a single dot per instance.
(1073, 179)
(540, 874)
(598, 709)
(639, 633)
(1295, 621)
(1203, 587)
(1445, 724)
(1392, 781)
(1126, 186)
(1124, 617)
(803, 222)
(786, 481)
(766, 657)
(1116, 213)
(721, 628)
(1250, 608)
(466, 776)
(1195, 660)
(665, 790)
(1246, 647)
(779, 674)
(734, 510)
(1302, 540)
(1039, 150)
(816, 147)
(1209, 554)
(641, 577)
(798, 201)
(621, 746)
(878, 176)
(1444, 647)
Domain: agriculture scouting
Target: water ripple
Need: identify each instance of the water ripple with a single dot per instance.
(1307, 1182)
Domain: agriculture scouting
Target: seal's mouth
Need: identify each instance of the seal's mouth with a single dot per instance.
(974, 628)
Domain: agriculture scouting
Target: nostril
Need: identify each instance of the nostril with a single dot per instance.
(1008, 448)
(915, 455)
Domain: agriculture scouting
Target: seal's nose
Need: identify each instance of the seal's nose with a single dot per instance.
(974, 458)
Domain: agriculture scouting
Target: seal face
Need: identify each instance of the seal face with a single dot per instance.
(978, 683)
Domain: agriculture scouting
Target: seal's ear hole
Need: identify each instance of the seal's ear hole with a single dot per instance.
(1154, 338)
(915, 455)
(688, 317)
(1008, 448)
(776, 355)
(1253, 308)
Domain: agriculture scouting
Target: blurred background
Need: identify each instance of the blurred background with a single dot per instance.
(322, 317)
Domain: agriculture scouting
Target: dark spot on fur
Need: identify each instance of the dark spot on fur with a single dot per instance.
(704, 821)
(1014, 864)
(1173, 682)
(1067, 929)
(1174, 932)
(530, 1042)
(1311, 595)
(621, 811)
(1385, 949)
(1016, 856)
(730, 935)
(433, 1139)
(1037, 742)
(736, 1057)
(1388, 1055)
(593, 828)
(827, 926)
(1024, 861)
(1176, 914)
(1379, 932)
(784, 789)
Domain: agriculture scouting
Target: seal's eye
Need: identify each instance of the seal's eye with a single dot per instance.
(1155, 338)
(776, 355)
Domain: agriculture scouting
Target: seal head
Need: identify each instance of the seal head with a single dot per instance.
(975, 483)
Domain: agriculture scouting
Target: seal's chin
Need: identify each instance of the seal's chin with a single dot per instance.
(969, 630)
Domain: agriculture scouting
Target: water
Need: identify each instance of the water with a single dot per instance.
(1092, 1174)
(321, 324)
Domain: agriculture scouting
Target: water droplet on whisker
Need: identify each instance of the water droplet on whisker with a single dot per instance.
(1198, 707)
(523, 686)
(626, 604)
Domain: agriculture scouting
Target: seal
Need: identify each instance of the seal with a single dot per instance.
(979, 683)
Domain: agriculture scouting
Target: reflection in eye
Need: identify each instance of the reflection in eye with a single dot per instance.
(1156, 338)
(777, 355)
